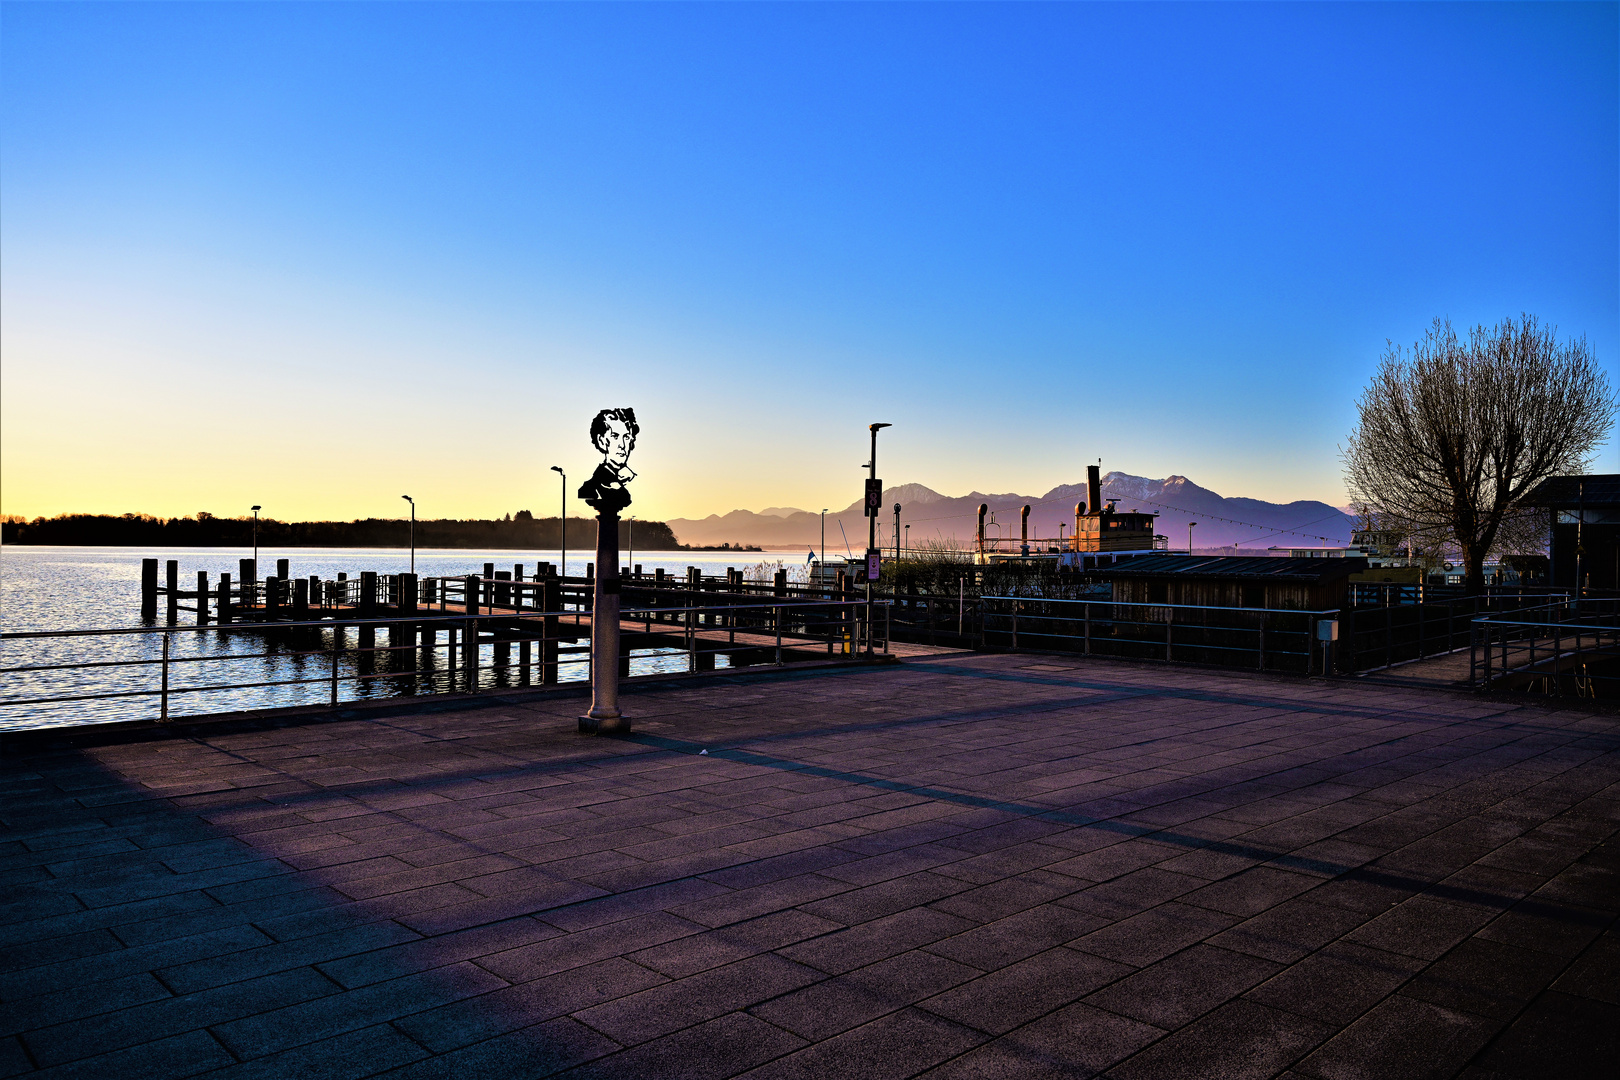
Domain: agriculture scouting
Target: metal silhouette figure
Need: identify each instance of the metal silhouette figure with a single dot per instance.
(613, 432)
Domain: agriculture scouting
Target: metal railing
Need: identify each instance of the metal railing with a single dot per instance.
(1566, 649)
(1371, 639)
(1262, 639)
(337, 660)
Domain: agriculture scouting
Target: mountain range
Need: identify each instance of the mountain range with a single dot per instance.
(1221, 521)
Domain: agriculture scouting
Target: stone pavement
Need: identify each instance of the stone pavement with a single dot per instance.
(971, 866)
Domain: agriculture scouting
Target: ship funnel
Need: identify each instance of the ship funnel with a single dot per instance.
(1094, 487)
(1023, 525)
(984, 508)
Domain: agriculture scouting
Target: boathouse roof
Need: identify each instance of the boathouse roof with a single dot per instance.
(1568, 492)
(1247, 567)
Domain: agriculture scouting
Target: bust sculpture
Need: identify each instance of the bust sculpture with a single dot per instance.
(613, 433)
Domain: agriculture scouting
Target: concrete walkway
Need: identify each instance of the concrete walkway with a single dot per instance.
(971, 866)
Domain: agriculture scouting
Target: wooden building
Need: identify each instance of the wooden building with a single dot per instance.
(1583, 523)
(1234, 581)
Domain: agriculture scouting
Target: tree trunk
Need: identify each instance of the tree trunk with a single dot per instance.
(1473, 570)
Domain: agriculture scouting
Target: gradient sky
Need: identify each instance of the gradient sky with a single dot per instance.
(315, 256)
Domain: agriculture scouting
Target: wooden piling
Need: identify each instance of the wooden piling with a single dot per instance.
(149, 588)
(171, 578)
(248, 570)
(503, 593)
(282, 569)
(300, 599)
(470, 587)
(225, 602)
(202, 597)
(550, 601)
(368, 592)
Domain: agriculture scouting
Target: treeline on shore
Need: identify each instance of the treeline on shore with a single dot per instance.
(521, 530)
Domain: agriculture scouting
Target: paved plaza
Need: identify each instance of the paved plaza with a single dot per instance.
(957, 867)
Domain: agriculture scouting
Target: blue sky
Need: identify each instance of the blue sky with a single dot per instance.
(312, 256)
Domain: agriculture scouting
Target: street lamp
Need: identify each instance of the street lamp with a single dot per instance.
(1190, 525)
(871, 533)
(256, 510)
(412, 501)
(563, 571)
(1061, 526)
(822, 569)
(631, 523)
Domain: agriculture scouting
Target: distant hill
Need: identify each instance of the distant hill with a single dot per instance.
(1222, 522)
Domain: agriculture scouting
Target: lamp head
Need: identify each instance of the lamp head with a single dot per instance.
(408, 499)
(875, 427)
(256, 509)
(557, 469)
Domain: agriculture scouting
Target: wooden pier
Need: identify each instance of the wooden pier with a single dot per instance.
(544, 615)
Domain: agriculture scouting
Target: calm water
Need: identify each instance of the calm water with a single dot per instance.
(63, 588)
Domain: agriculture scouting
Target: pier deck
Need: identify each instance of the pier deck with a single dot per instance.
(969, 866)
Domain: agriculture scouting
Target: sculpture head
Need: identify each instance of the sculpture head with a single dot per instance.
(614, 432)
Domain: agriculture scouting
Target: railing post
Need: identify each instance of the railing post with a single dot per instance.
(777, 609)
(1169, 619)
(163, 716)
(469, 654)
(337, 646)
(1262, 647)
(1086, 605)
(1016, 606)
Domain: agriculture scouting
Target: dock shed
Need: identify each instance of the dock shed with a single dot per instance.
(1234, 581)
(1583, 522)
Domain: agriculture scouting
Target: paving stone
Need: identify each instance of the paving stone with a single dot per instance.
(1241, 1040)
(1557, 1035)
(1596, 973)
(1181, 987)
(826, 1008)
(1153, 935)
(1018, 993)
(1074, 1041)
(1401, 1039)
(537, 1050)
(1337, 984)
(1486, 977)
(856, 946)
(697, 998)
(898, 1045)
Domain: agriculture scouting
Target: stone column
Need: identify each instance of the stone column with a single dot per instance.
(605, 717)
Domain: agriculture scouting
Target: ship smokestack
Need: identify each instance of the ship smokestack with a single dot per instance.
(1094, 488)
(984, 508)
(1023, 525)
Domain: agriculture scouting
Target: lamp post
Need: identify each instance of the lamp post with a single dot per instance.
(256, 510)
(632, 531)
(896, 532)
(908, 538)
(1190, 525)
(562, 571)
(1061, 526)
(871, 533)
(412, 501)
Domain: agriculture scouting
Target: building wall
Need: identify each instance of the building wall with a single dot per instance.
(1232, 593)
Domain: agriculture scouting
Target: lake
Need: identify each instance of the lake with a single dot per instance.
(85, 588)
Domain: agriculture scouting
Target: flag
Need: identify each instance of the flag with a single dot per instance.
(810, 558)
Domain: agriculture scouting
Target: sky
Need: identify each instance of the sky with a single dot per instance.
(316, 256)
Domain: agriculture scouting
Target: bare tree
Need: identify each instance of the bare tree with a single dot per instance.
(1452, 434)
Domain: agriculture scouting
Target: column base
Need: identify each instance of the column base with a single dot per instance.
(604, 725)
